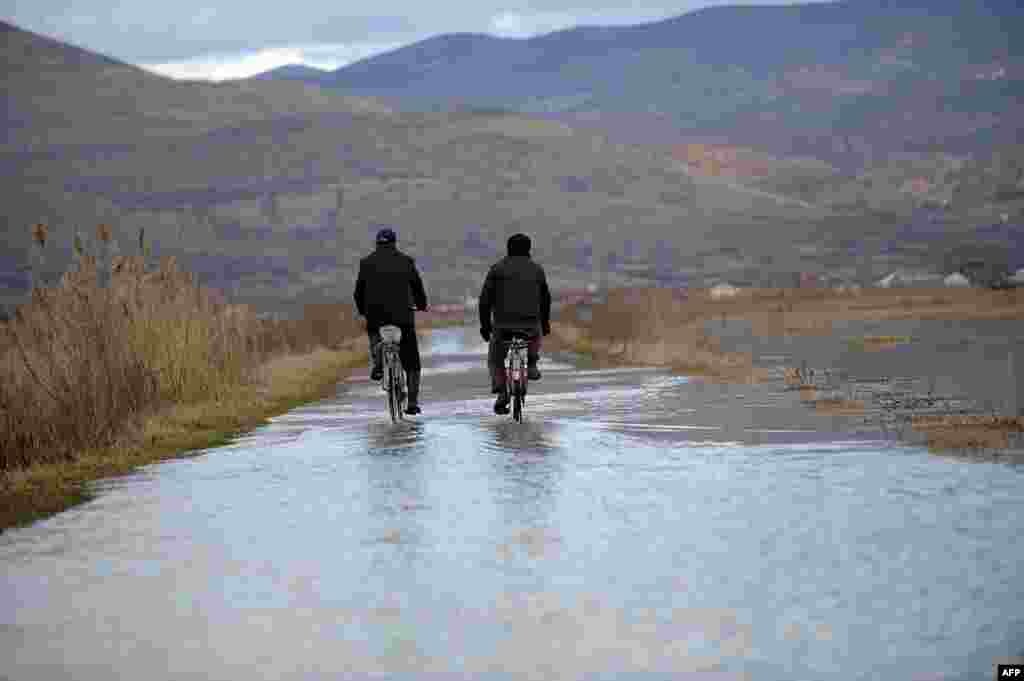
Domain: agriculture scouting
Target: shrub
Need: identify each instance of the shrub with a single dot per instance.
(83, 360)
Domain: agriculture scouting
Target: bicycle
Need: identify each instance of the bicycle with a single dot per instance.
(516, 378)
(393, 381)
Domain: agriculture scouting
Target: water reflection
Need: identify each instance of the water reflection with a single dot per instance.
(337, 541)
(531, 437)
(397, 493)
(389, 439)
(526, 470)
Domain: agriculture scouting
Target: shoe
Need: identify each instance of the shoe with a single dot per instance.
(377, 373)
(533, 373)
(501, 405)
(412, 409)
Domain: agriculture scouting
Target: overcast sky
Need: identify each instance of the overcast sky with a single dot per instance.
(238, 38)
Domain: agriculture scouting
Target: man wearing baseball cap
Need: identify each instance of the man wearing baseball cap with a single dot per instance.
(387, 289)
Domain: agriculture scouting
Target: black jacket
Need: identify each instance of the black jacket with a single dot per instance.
(387, 288)
(516, 292)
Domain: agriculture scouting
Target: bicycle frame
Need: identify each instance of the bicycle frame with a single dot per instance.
(393, 380)
(515, 375)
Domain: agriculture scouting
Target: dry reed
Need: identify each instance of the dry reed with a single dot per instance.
(81, 363)
(967, 431)
(654, 326)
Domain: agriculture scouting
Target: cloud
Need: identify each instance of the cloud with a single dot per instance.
(227, 67)
(223, 68)
(527, 24)
(200, 37)
(187, 30)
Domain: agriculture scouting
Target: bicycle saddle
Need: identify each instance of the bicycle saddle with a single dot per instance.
(390, 334)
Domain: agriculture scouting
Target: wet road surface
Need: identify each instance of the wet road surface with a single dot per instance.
(636, 522)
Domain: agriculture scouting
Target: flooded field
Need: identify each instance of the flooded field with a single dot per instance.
(638, 521)
(902, 369)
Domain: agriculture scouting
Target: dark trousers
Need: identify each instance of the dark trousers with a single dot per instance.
(496, 355)
(408, 348)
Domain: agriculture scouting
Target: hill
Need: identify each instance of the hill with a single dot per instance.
(842, 81)
(292, 72)
(57, 93)
(271, 190)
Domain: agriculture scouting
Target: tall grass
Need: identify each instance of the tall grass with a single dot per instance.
(84, 361)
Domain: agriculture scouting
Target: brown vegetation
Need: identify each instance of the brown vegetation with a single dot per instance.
(800, 379)
(660, 326)
(967, 438)
(652, 326)
(1008, 423)
(808, 393)
(839, 406)
(813, 310)
(967, 431)
(176, 430)
(874, 343)
(96, 378)
(80, 362)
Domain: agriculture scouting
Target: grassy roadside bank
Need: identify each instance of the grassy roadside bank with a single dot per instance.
(664, 328)
(283, 383)
(175, 430)
(122, 363)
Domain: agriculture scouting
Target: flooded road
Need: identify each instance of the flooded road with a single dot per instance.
(636, 522)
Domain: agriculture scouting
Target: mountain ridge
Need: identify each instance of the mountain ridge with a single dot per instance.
(291, 72)
(894, 74)
(269, 189)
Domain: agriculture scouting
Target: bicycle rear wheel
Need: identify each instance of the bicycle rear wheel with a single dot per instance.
(392, 378)
(517, 402)
(517, 385)
(400, 391)
(392, 394)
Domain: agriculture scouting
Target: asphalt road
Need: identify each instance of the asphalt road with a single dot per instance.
(636, 522)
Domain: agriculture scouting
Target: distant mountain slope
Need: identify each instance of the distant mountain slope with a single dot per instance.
(889, 75)
(55, 93)
(272, 190)
(292, 72)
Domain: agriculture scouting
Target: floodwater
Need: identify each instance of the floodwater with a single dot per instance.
(974, 367)
(636, 522)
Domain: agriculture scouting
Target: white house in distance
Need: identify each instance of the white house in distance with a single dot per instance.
(723, 291)
(956, 280)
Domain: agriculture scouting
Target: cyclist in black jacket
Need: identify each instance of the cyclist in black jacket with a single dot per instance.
(516, 294)
(387, 289)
